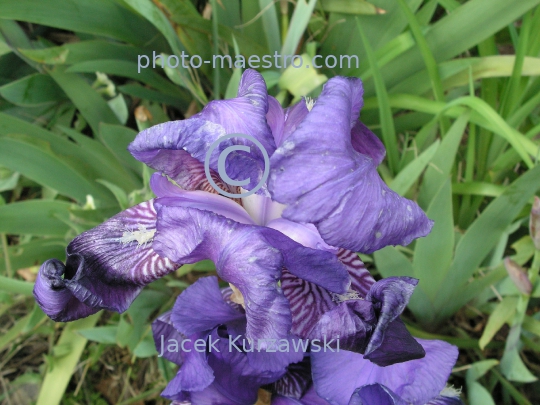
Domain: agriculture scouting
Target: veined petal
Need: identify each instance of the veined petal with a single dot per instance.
(106, 267)
(309, 302)
(163, 146)
(375, 394)
(337, 375)
(248, 256)
(323, 180)
(295, 382)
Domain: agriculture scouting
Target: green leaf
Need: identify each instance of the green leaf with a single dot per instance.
(117, 138)
(385, 112)
(146, 348)
(468, 25)
(270, 25)
(152, 13)
(357, 7)
(34, 217)
(91, 105)
(500, 315)
(299, 22)
(38, 162)
(482, 236)
(443, 160)
(58, 376)
(98, 17)
(433, 254)
(16, 286)
(102, 334)
(411, 173)
(34, 90)
(477, 188)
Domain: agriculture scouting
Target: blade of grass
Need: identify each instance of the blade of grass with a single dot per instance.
(429, 60)
(385, 112)
(299, 22)
(57, 378)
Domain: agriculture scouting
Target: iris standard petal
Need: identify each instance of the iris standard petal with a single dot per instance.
(106, 267)
(164, 146)
(323, 180)
(248, 256)
(337, 375)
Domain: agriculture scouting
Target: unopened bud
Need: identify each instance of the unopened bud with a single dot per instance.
(518, 275)
(534, 222)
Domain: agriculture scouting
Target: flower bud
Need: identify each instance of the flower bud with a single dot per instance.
(518, 275)
(534, 222)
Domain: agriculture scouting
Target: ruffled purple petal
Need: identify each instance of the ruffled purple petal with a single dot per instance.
(248, 256)
(106, 267)
(164, 146)
(337, 375)
(390, 297)
(195, 374)
(397, 346)
(54, 298)
(201, 308)
(236, 378)
(323, 180)
(375, 394)
(164, 335)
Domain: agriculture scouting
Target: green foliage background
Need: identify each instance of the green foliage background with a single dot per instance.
(451, 87)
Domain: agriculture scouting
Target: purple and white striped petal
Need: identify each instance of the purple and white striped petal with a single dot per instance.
(319, 173)
(106, 267)
(309, 302)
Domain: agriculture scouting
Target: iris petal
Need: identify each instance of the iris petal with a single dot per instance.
(106, 267)
(164, 146)
(375, 394)
(415, 381)
(248, 256)
(201, 308)
(344, 179)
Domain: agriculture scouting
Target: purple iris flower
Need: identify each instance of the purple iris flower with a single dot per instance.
(287, 249)
(205, 334)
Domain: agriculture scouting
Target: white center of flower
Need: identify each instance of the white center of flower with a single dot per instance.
(142, 236)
